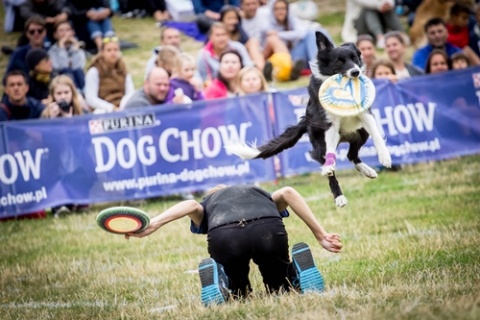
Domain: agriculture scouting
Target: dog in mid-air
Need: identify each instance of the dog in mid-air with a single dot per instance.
(324, 129)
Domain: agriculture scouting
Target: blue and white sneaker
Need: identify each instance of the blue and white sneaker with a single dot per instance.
(214, 282)
(308, 276)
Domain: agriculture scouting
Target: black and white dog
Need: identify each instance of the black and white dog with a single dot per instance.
(324, 129)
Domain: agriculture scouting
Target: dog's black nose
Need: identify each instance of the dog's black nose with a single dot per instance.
(354, 73)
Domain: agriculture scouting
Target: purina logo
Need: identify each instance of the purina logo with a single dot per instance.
(99, 126)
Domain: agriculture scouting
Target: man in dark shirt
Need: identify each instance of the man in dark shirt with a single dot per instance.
(244, 223)
(15, 104)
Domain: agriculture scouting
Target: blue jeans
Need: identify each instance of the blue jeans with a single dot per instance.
(102, 28)
(77, 75)
(306, 49)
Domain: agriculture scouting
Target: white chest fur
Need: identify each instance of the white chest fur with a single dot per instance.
(346, 124)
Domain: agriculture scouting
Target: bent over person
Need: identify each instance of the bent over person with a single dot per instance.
(244, 223)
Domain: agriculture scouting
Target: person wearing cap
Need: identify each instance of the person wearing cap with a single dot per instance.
(16, 104)
(40, 73)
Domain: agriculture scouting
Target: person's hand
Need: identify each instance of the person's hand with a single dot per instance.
(61, 17)
(53, 110)
(212, 15)
(92, 15)
(62, 42)
(331, 242)
(149, 230)
(385, 7)
(50, 20)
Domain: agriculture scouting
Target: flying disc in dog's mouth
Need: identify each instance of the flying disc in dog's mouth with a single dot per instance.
(346, 97)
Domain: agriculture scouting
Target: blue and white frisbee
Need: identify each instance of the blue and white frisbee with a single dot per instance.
(347, 97)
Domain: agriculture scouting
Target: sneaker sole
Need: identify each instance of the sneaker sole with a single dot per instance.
(309, 277)
(296, 70)
(211, 292)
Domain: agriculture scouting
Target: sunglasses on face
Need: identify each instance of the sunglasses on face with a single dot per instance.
(33, 31)
(110, 39)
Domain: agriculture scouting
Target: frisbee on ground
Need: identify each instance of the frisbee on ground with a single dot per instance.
(123, 220)
(346, 97)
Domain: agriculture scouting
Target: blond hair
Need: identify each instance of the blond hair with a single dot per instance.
(244, 71)
(182, 58)
(65, 80)
(167, 58)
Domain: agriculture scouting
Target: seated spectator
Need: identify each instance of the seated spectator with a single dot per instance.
(67, 55)
(366, 44)
(383, 69)
(52, 11)
(378, 20)
(167, 58)
(64, 99)
(251, 80)
(369, 17)
(13, 21)
(107, 80)
(208, 11)
(168, 36)
(457, 25)
(437, 62)
(95, 14)
(230, 16)
(253, 17)
(474, 39)
(218, 43)
(40, 73)
(460, 61)
(36, 32)
(300, 40)
(395, 47)
(156, 90)
(437, 35)
(225, 84)
(183, 78)
(16, 105)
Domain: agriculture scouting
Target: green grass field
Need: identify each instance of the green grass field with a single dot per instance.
(411, 251)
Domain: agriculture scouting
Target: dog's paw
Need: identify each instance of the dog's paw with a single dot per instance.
(328, 170)
(341, 201)
(385, 158)
(366, 170)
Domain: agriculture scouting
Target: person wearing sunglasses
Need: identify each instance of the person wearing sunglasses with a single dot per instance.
(35, 31)
(108, 83)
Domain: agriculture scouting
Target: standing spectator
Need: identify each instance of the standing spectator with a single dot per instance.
(437, 62)
(156, 90)
(67, 55)
(460, 61)
(183, 78)
(95, 14)
(168, 36)
(40, 73)
(218, 43)
(53, 11)
(16, 105)
(107, 80)
(208, 11)
(225, 84)
(366, 44)
(36, 32)
(251, 80)
(395, 48)
(437, 34)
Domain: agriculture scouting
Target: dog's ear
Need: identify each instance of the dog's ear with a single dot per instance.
(323, 42)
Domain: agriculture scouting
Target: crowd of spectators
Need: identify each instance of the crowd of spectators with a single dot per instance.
(249, 43)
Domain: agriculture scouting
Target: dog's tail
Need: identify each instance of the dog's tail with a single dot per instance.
(284, 141)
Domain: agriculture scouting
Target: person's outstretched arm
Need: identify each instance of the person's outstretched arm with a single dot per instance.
(289, 197)
(189, 208)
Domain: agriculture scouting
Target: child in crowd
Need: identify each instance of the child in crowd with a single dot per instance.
(107, 81)
(457, 25)
(460, 61)
(182, 78)
(167, 58)
(251, 80)
(383, 69)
